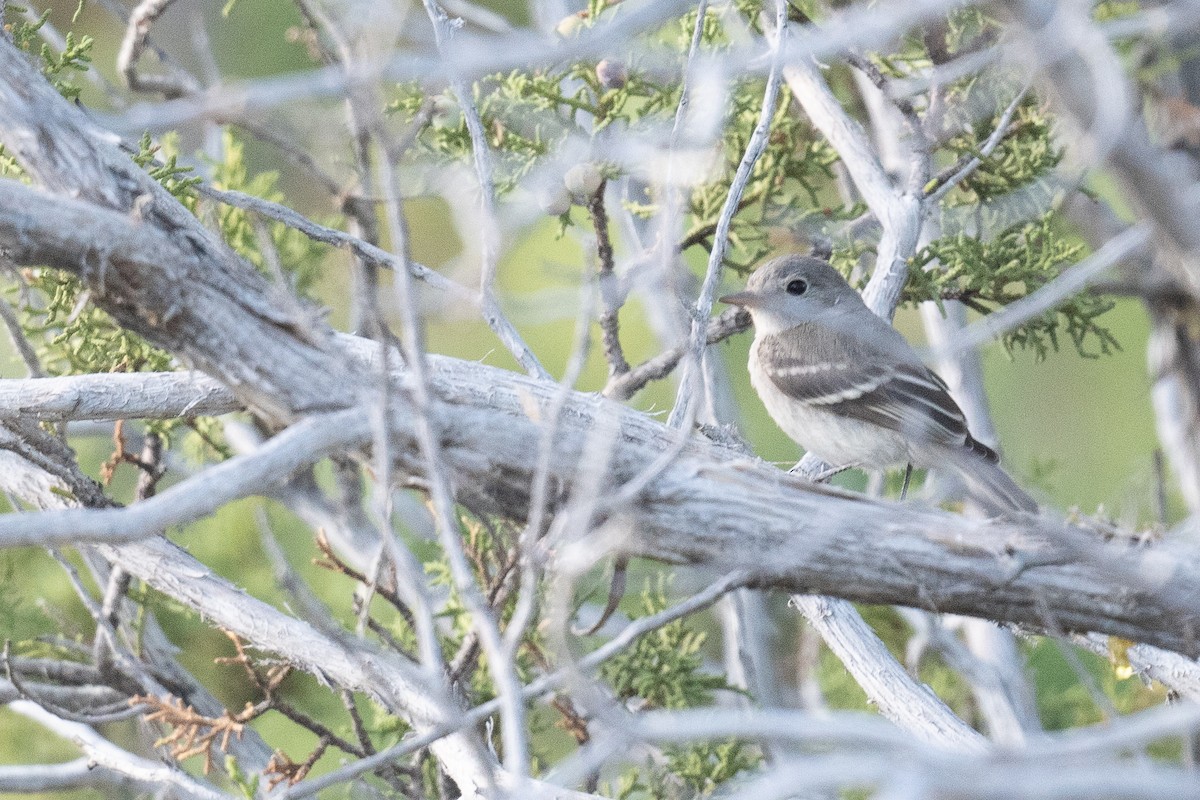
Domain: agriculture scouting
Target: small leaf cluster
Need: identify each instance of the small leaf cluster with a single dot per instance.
(687, 772)
(1003, 238)
(299, 256)
(176, 179)
(9, 167)
(703, 768)
(59, 68)
(663, 669)
(985, 274)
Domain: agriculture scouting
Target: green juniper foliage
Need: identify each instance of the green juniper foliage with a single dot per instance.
(1002, 238)
(72, 336)
(664, 669)
(60, 69)
(984, 274)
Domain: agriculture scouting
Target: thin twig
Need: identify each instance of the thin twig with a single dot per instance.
(547, 683)
(293, 153)
(698, 336)
(490, 238)
(730, 322)
(332, 236)
(137, 34)
(21, 342)
(609, 290)
(955, 174)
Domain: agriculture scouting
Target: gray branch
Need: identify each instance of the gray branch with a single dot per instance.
(714, 507)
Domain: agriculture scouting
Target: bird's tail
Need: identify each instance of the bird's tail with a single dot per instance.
(992, 488)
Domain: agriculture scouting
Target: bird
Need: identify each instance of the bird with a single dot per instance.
(847, 387)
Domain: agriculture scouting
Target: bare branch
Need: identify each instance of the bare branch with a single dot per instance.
(911, 705)
(141, 395)
(137, 33)
(698, 336)
(101, 752)
(240, 476)
(822, 540)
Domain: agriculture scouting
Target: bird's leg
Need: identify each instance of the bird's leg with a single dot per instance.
(907, 478)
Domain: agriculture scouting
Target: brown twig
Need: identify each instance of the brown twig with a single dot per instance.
(118, 456)
(194, 734)
(721, 327)
(332, 562)
(380, 630)
(293, 153)
(921, 145)
(572, 721)
(149, 463)
(499, 590)
(356, 722)
(609, 291)
(269, 684)
(282, 768)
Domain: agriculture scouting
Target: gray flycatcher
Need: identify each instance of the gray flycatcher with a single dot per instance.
(846, 386)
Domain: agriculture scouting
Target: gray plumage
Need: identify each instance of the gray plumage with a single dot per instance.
(845, 385)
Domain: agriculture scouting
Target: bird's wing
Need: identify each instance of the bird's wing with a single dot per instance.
(847, 376)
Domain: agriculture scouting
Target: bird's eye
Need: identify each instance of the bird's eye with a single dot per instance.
(796, 287)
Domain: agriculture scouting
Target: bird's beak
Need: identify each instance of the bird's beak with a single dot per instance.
(744, 299)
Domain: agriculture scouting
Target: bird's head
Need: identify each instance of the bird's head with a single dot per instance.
(792, 290)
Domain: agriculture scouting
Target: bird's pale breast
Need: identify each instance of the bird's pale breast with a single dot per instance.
(834, 438)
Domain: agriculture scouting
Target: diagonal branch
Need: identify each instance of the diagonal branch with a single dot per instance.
(713, 507)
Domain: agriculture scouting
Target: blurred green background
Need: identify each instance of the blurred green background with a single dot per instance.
(1082, 429)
